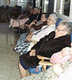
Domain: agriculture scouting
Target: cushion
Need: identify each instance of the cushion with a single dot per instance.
(58, 21)
(70, 23)
(71, 37)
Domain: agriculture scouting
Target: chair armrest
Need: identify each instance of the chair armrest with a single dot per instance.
(34, 42)
(45, 63)
(42, 57)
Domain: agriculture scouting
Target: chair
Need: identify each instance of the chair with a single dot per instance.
(18, 24)
(43, 63)
(4, 14)
(34, 42)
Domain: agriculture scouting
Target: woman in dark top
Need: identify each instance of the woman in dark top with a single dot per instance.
(50, 44)
(38, 25)
(33, 17)
(15, 12)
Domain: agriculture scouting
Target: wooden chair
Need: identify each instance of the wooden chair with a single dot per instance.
(34, 42)
(43, 63)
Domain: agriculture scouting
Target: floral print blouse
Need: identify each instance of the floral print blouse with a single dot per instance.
(48, 74)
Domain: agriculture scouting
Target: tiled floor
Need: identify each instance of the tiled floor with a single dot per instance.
(8, 58)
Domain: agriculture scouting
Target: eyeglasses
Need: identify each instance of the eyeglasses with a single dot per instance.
(51, 19)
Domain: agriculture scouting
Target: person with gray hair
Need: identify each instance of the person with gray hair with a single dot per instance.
(26, 44)
(55, 17)
(68, 26)
(47, 46)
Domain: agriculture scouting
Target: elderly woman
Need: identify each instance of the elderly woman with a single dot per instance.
(61, 68)
(50, 44)
(22, 47)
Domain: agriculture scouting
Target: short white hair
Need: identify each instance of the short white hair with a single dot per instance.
(55, 17)
(67, 25)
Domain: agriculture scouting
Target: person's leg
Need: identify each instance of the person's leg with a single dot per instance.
(22, 37)
(23, 72)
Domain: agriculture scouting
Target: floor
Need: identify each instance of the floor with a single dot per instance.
(8, 58)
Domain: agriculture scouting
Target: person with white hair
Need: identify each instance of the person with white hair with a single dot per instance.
(26, 45)
(61, 68)
(47, 46)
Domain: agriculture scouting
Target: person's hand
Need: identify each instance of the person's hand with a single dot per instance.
(35, 20)
(32, 23)
(71, 44)
(28, 38)
(32, 52)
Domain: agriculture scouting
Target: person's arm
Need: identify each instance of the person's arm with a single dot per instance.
(43, 33)
(32, 23)
(32, 52)
(37, 27)
(38, 44)
(28, 37)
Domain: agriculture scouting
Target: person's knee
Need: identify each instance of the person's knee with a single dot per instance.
(19, 64)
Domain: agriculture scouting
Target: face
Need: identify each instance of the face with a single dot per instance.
(50, 20)
(60, 31)
(35, 11)
(43, 17)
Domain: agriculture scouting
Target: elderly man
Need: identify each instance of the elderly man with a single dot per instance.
(37, 35)
(48, 45)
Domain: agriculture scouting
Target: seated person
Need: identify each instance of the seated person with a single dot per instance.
(15, 13)
(4, 14)
(34, 16)
(61, 68)
(38, 25)
(17, 23)
(28, 11)
(22, 47)
(25, 15)
(52, 43)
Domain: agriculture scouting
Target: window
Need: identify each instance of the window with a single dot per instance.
(62, 7)
(66, 7)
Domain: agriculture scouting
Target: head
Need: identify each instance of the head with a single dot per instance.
(51, 19)
(16, 7)
(64, 28)
(43, 17)
(35, 11)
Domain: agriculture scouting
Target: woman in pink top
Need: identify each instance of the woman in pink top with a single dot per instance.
(61, 69)
(61, 56)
